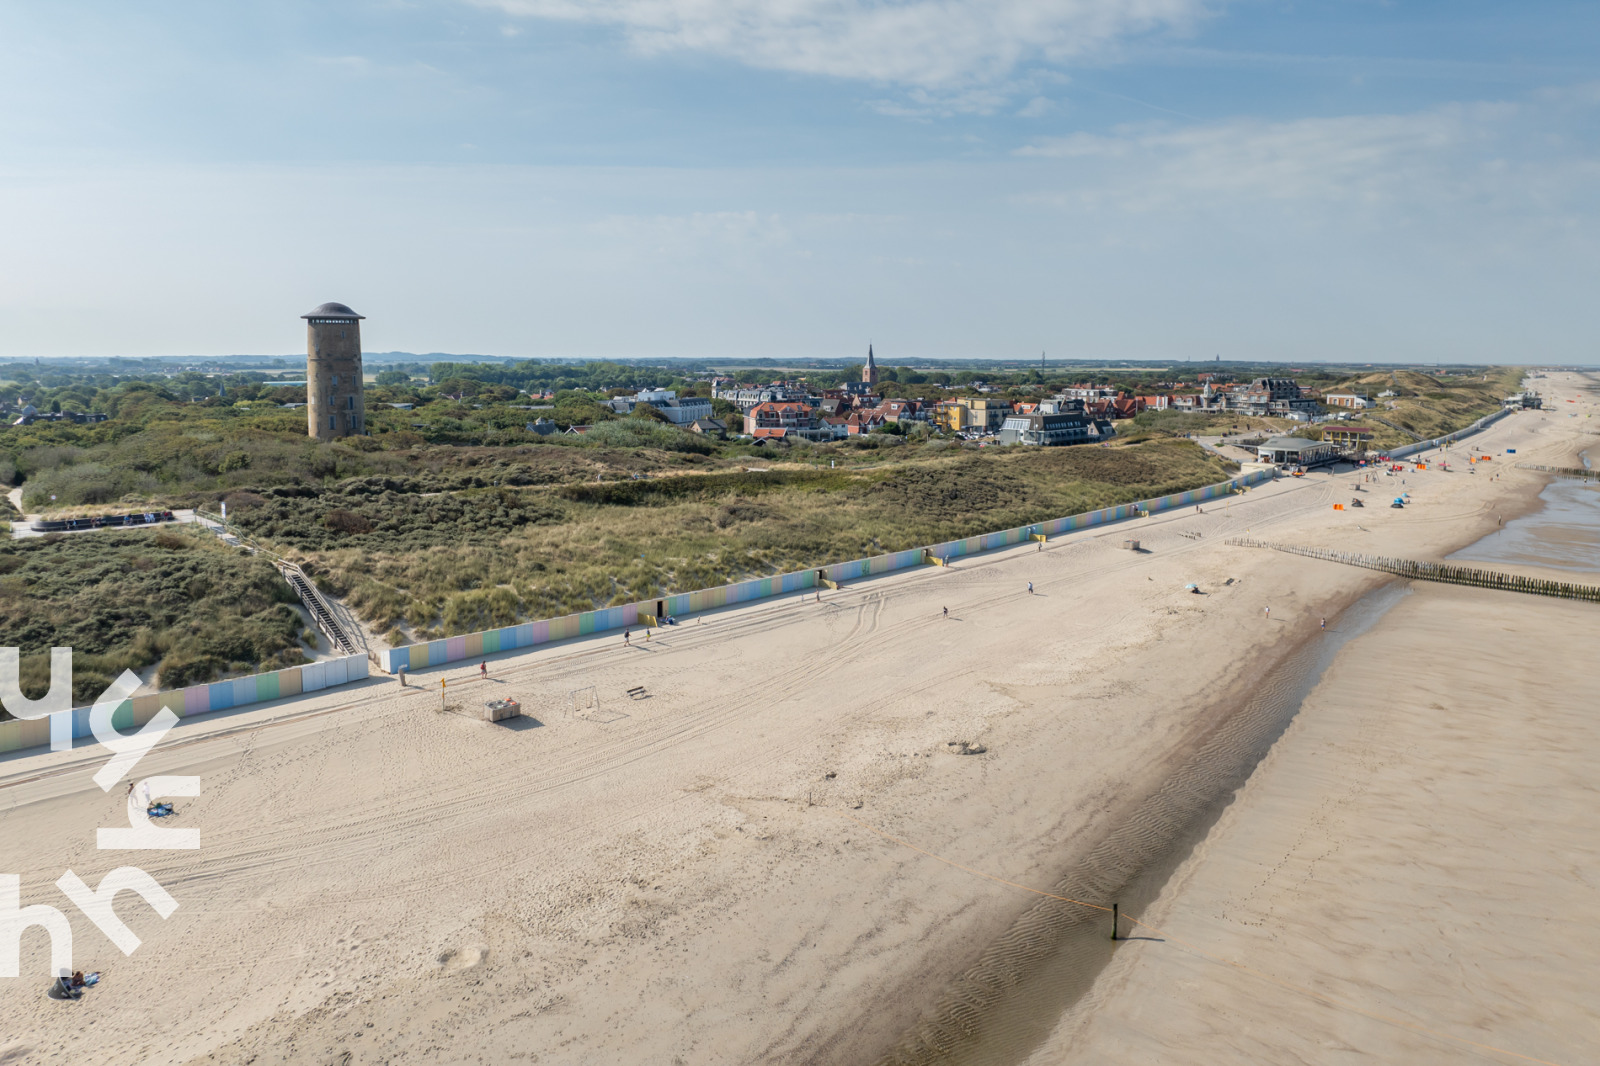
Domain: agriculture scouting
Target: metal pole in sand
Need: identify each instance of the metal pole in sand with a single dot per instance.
(441, 694)
(1113, 921)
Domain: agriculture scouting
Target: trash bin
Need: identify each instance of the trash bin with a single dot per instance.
(500, 710)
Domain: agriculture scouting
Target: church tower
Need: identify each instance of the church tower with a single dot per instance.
(869, 373)
(335, 406)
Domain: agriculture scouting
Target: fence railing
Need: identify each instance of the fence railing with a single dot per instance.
(529, 634)
(343, 637)
(1449, 573)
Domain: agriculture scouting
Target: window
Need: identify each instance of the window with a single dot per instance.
(352, 400)
(336, 379)
(330, 421)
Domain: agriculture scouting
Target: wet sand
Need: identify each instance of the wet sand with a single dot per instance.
(1423, 845)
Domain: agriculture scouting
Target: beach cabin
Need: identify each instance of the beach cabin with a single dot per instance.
(1296, 451)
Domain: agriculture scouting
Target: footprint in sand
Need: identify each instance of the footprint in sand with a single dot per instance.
(458, 960)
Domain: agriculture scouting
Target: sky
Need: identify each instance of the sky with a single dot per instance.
(1344, 180)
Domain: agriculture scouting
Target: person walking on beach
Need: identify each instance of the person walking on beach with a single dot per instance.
(947, 612)
(483, 670)
(625, 638)
(1267, 612)
(1324, 624)
(402, 673)
(1030, 588)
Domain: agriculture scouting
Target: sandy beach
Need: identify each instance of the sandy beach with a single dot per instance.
(737, 868)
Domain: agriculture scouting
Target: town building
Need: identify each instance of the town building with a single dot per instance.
(679, 410)
(746, 398)
(710, 427)
(869, 373)
(1351, 439)
(987, 414)
(1342, 398)
(1296, 451)
(952, 416)
(779, 420)
(1053, 423)
(901, 411)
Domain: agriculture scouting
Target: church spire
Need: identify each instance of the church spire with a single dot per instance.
(869, 373)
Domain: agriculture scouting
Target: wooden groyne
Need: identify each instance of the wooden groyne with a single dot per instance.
(1449, 573)
(1577, 472)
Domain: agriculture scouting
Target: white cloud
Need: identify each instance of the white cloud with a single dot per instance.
(928, 44)
(1038, 107)
(1344, 159)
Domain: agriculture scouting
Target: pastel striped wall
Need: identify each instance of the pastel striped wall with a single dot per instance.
(1487, 420)
(197, 700)
(528, 634)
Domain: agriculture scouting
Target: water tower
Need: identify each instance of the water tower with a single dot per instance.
(334, 404)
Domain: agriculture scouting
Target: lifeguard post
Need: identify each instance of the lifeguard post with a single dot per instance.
(335, 406)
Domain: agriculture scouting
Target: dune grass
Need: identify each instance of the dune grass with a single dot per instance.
(461, 562)
(178, 600)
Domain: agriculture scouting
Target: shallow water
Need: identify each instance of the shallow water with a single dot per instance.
(1007, 1004)
(1563, 535)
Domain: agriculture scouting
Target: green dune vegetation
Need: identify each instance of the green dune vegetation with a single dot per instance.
(177, 600)
(476, 558)
(1427, 406)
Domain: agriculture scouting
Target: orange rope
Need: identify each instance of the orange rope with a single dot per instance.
(1322, 996)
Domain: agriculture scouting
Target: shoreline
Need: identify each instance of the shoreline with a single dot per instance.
(1066, 947)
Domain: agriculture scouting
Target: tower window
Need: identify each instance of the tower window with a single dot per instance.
(330, 421)
(352, 400)
(336, 379)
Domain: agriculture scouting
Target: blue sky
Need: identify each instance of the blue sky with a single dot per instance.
(1145, 179)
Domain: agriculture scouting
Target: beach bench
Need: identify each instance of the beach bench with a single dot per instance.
(637, 692)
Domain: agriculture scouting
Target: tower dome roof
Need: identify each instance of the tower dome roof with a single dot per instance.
(333, 310)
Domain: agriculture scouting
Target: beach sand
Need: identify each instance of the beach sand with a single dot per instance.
(703, 875)
(1423, 846)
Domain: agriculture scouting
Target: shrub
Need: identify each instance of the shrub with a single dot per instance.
(644, 433)
(121, 601)
(344, 521)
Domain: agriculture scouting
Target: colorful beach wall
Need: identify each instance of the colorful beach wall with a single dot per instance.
(528, 634)
(1422, 446)
(189, 702)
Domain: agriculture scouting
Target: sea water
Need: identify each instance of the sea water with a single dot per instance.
(1564, 534)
